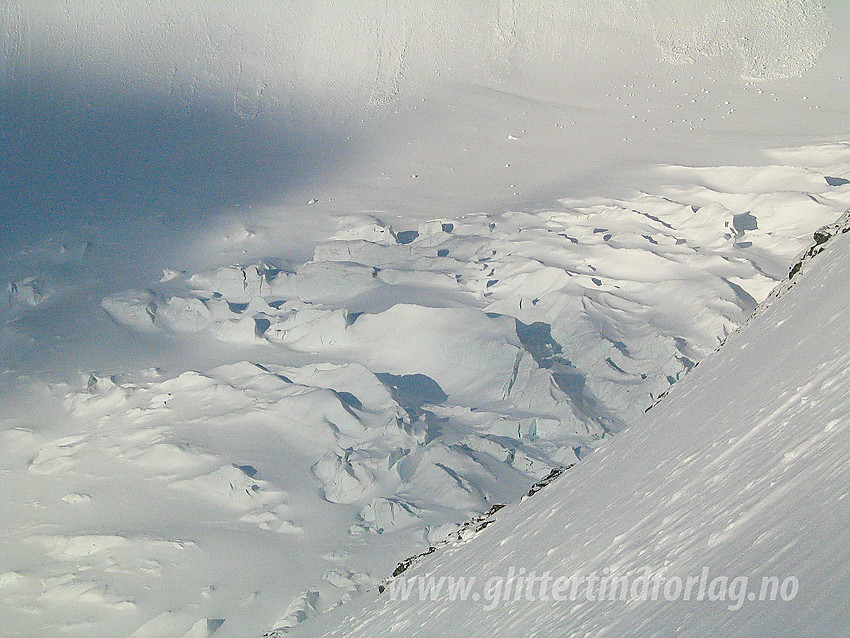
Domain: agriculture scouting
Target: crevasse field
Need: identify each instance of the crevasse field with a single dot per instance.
(294, 291)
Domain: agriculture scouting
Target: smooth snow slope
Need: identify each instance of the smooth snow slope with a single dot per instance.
(742, 470)
(292, 289)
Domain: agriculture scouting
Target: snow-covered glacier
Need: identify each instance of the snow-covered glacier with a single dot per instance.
(294, 291)
(730, 494)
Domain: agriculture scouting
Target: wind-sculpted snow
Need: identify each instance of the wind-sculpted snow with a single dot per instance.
(449, 366)
(629, 293)
(740, 476)
(367, 402)
(376, 324)
(317, 432)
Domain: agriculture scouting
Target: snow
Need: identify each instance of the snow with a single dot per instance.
(741, 470)
(294, 291)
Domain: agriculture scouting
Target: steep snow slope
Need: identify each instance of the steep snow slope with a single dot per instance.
(742, 471)
(292, 289)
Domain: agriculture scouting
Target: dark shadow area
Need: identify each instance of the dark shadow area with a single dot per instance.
(836, 181)
(537, 340)
(412, 391)
(72, 157)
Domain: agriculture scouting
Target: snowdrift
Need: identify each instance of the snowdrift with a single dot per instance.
(291, 291)
(740, 473)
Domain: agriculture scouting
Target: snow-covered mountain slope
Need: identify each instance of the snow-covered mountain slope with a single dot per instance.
(741, 471)
(291, 290)
(428, 375)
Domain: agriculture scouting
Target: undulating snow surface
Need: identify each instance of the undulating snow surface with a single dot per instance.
(293, 290)
(741, 471)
